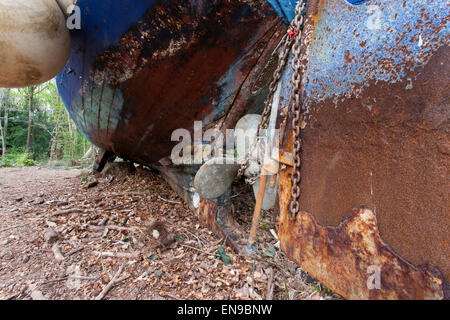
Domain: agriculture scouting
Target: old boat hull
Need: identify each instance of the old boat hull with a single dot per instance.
(141, 69)
(375, 90)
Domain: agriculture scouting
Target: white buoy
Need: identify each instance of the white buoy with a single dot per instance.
(34, 42)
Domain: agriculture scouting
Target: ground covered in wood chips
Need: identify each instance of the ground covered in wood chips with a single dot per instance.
(70, 234)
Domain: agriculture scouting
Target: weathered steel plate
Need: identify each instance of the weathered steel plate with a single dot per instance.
(375, 91)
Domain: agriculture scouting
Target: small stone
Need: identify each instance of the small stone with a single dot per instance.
(50, 235)
(155, 234)
(37, 295)
(26, 259)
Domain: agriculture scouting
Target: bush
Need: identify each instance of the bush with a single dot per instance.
(26, 160)
(19, 159)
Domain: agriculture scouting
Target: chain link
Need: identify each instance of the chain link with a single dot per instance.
(296, 108)
(282, 61)
(286, 44)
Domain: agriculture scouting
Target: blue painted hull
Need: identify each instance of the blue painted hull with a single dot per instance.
(126, 83)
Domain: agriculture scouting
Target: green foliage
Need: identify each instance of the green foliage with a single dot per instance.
(326, 290)
(221, 255)
(255, 249)
(21, 159)
(321, 289)
(37, 115)
(25, 160)
(270, 252)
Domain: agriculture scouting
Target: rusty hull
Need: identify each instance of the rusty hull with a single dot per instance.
(173, 63)
(375, 90)
(342, 257)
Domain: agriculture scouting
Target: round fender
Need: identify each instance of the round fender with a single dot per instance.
(34, 42)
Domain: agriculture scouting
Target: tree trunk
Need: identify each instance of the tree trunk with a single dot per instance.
(54, 145)
(84, 145)
(5, 125)
(70, 140)
(55, 137)
(30, 108)
(3, 144)
(1, 127)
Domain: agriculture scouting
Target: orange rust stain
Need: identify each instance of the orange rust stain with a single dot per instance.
(343, 257)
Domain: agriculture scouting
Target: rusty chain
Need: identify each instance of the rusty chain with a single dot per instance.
(296, 109)
(286, 44)
(282, 60)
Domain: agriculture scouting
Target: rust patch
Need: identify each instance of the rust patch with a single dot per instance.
(383, 146)
(218, 219)
(343, 257)
(156, 59)
(384, 150)
(207, 215)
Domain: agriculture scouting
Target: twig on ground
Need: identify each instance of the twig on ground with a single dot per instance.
(270, 286)
(13, 227)
(169, 201)
(11, 296)
(130, 193)
(69, 277)
(117, 254)
(66, 212)
(172, 296)
(274, 234)
(109, 285)
(112, 227)
(199, 250)
(192, 234)
(236, 195)
(73, 251)
(101, 246)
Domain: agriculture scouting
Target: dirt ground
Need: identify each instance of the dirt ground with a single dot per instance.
(65, 234)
